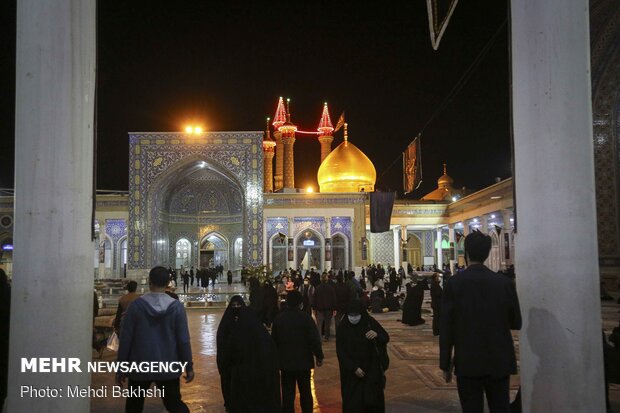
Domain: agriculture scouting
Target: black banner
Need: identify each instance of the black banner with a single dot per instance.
(381, 205)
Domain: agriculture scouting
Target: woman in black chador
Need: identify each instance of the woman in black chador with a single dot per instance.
(270, 303)
(362, 357)
(412, 307)
(252, 356)
(228, 322)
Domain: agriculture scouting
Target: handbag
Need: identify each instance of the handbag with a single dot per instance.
(112, 342)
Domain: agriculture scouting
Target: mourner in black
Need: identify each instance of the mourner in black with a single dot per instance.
(253, 359)
(478, 310)
(362, 357)
(412, 307)
(299, 343)
(228, 322)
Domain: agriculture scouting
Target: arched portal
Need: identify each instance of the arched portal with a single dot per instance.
(340, 252)
(309, 250)
(183, 253)
(495, 259)
(414, 251)
(203, 204)
(214, 251)
(278, 253)
(183, 186)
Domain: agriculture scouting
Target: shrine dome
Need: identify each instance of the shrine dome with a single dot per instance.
(347, 169)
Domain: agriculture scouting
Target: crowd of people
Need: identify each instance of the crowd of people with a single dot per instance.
(202, 276)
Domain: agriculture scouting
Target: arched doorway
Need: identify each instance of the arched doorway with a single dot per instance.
(278, 248)
(122, 257)
(214, 251)
(309, 250)
(183, 253)
(340, 252)
(414, 251)
(494, 260)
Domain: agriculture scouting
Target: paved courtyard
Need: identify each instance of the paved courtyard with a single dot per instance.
(414, 382)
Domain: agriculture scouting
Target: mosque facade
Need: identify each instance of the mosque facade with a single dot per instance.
(230, 198)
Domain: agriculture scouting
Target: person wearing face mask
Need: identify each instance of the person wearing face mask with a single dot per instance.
(362, 357)
(229, 319)
(307, 293)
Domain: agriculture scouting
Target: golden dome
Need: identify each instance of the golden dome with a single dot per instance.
(445, 180)
(347, 169)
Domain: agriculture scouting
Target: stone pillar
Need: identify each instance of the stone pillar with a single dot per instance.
(484, 224)
(403, 238)
(557, 276)
(289, 160)
(52, 295)
(328, 234)
(452, 241)
(439, 251)
(326, 146)
(268, 153)
(397, 246)
(278, 179)
(291, 233)
(505, 239)
(466, 227)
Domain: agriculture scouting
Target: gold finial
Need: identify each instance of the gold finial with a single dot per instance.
(267, 129)
(444, 169)
(346, 132)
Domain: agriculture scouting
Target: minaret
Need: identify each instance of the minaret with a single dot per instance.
(279, 120)
(268, 152)
(288, 140)
(325, 133)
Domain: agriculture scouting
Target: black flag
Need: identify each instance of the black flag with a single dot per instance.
(381, 204)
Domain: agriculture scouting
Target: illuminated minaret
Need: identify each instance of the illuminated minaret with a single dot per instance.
(279, 120)
(268, 152)
(288, 140)
(325, 133)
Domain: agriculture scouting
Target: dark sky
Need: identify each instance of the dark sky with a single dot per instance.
(163, 64)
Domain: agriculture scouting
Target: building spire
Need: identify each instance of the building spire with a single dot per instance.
(325, 125)
(280, 117)
(288, 110)
(267, 130)
(346, 132)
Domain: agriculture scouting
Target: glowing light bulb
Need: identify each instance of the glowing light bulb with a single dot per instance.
(197, 129)
(189, 129)
(309, 190)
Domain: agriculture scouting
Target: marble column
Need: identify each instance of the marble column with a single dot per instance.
(466, 229)
(452, 240)
(505, 239)
(328, 234)
(439, 250)
(52, 295)
(484, 224)
(403, 238)
(397, 246)
(557, 276)
(278, 178)
(291, 233)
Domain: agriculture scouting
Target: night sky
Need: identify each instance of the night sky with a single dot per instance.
(163, 64)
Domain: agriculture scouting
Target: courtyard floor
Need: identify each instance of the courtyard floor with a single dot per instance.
(414, 382)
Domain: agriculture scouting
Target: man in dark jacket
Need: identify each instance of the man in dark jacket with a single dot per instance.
(478, 310)
(154, 329)
(298, 340)
(324, 306)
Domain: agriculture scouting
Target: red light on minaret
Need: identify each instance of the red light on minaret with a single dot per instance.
(280, 117)
(325, 125)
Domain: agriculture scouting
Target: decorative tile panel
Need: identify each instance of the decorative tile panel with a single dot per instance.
(156, 160)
